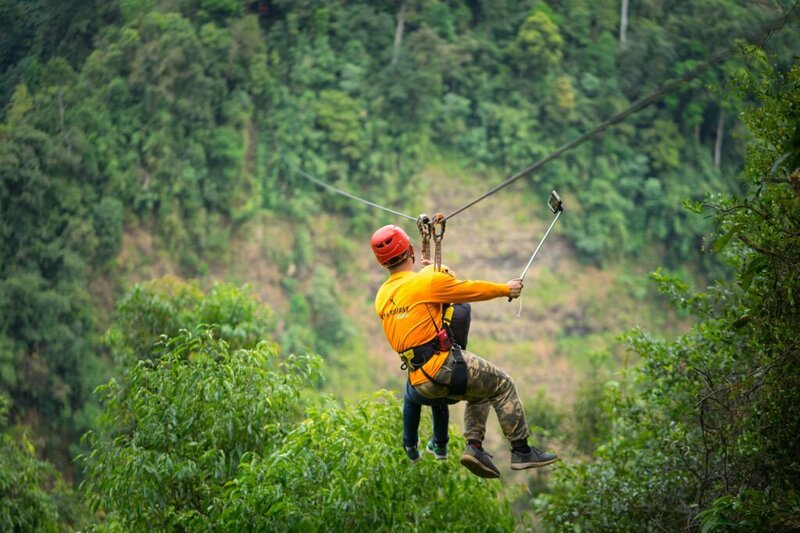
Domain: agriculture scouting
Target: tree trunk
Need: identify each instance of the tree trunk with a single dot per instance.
(398, 33)
(623, 22)
(718, 143)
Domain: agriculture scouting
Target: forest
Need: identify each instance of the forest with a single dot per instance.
(188, 340)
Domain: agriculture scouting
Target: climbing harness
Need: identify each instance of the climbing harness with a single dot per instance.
(416, 357)
(459, 374)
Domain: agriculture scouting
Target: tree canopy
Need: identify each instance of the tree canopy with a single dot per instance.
(702, 433)
(205, 436)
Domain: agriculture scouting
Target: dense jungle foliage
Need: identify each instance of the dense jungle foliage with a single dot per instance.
(213, 431)
(703, 432)
(186, 119)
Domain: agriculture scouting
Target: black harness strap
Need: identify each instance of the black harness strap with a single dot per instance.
(432, 380)
(458, 378)
(419, 355)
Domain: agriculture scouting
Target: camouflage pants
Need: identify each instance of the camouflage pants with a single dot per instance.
(487, 386)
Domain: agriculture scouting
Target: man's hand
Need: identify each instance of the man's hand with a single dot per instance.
(514, 288)
(425, 262)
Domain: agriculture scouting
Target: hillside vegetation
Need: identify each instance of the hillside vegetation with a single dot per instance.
(144, 144)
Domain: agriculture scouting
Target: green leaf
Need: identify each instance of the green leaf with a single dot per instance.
(741, 321)
(757, 264)
(723, 241)
(694, 206)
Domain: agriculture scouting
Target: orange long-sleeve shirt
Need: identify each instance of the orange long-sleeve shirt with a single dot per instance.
(409, 304)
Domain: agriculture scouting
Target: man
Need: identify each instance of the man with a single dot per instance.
(409, 305)
(457, 317)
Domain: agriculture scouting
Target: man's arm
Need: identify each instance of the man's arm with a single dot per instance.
(446, 289)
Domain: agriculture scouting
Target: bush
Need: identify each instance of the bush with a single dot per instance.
(206, 438)
(33, 496)
(169, 305)
(346, 464)
(173, 432)
(705, 434)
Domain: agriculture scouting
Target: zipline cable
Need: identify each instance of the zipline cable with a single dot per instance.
(640, 104)
(352, 196)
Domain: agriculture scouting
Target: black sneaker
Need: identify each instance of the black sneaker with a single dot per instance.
(440, 452)
(413, 454)
(479, 462)
(535, 458)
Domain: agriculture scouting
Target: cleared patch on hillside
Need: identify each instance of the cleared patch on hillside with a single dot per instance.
(569, 310)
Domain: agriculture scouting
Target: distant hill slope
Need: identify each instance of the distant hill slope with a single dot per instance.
(569, 309)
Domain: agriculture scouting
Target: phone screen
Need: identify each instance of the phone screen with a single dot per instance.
(554, 202)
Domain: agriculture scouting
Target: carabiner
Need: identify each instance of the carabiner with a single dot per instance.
(425, 230)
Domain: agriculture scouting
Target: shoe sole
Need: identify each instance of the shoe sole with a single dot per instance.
(524, 466)
(438, 457)
(478, 468)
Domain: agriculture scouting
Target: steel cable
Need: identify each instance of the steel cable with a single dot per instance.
(352, 196)
(763, 33)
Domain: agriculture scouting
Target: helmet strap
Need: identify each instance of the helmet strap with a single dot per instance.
(400, 258)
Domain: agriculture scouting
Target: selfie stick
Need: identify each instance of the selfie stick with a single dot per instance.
(555, 200)
(522, 276)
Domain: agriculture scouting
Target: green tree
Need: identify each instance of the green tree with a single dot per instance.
(164, 307)
(341, 462)
(49, 360)
(108, 216)
(33, 496)
(207, 438)
(537, 47)
(703, 433)
(173, 433)
(329, 324)
(341, 117)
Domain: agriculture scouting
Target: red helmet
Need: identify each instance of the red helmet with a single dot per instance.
(390, 242)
